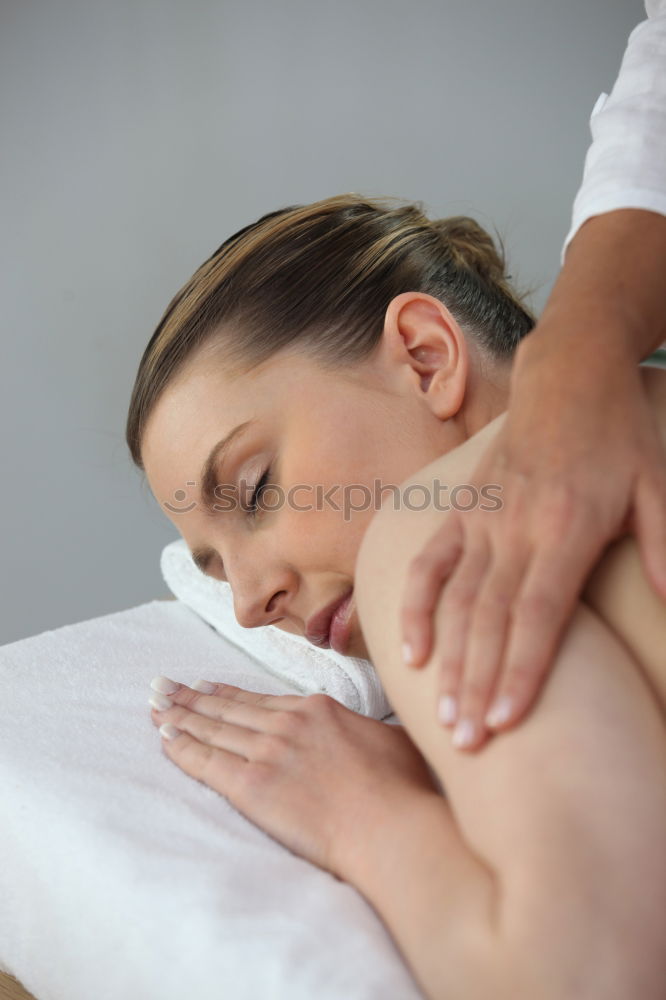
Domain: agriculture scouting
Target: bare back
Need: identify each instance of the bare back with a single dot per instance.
(617, 589)
(561, 820)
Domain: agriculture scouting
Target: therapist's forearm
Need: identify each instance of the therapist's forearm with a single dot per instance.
(611, 292)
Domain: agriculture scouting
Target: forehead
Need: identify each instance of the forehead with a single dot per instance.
(200, 406)
(206, 402)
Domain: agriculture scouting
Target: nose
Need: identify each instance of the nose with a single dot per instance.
(263, 584)
(259, 605)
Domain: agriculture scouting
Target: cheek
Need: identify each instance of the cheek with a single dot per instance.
(343, 492)
(329, 534)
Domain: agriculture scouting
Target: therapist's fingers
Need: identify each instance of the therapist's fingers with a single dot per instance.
(543, 607)
(423, 588)
(488, 629)
(453, 622)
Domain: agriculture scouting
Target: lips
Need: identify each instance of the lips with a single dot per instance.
(319, 626)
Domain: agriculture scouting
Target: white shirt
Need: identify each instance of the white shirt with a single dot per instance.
(625, 167)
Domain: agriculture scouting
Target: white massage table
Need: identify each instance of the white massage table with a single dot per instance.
(121, 876)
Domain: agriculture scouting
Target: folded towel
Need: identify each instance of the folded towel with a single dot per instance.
(348, 679)
(123, 877)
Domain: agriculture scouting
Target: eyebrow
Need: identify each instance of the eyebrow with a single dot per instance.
(202, 555)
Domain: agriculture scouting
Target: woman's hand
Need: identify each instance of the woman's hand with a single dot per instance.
(580, 463)
(307, 770)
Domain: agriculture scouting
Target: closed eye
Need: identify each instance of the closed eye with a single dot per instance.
(252, 507)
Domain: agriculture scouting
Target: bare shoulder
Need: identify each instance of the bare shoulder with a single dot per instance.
(618, 588)
(554, 806)
(458, 464)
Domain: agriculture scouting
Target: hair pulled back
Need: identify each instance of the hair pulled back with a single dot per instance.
(318, 279)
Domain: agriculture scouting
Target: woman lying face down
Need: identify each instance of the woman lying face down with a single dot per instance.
(346, 343)
(339, 347)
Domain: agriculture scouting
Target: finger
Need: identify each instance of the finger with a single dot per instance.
(220, 769)
(453, 622)
(423, 587)
(486, 639)
(543, 607)
(251, 712)
(230, 693)
(650, 520)
(185, 695)
(227, 736)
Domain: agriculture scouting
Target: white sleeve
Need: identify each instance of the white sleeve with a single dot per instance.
(625, 167)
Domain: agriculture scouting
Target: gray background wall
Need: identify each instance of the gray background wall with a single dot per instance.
(137, 135)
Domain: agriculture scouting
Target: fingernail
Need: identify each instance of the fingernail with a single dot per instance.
(168, 731)
(448, 708)
(408, 653)
(164, 685)
(499, 712)
(205, 687)
(159, 702)
(463, 734)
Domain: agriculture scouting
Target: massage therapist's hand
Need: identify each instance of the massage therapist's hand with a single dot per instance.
(580, 463)
(307, 770)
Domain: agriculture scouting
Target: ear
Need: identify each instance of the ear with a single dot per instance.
(424, 343)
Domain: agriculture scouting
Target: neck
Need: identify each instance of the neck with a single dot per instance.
(486, 396)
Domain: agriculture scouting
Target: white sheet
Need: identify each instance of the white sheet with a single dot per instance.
(122, 877)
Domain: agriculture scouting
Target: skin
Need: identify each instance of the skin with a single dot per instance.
(579, 461)
(599, 467)
(423, 392)
(472, 915)
(564, 885)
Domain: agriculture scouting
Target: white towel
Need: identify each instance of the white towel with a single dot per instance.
(122, 877)
(350, 680)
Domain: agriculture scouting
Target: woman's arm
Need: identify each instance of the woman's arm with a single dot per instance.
(551, 883)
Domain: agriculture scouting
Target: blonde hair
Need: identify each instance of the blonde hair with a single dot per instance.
(318, 278)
